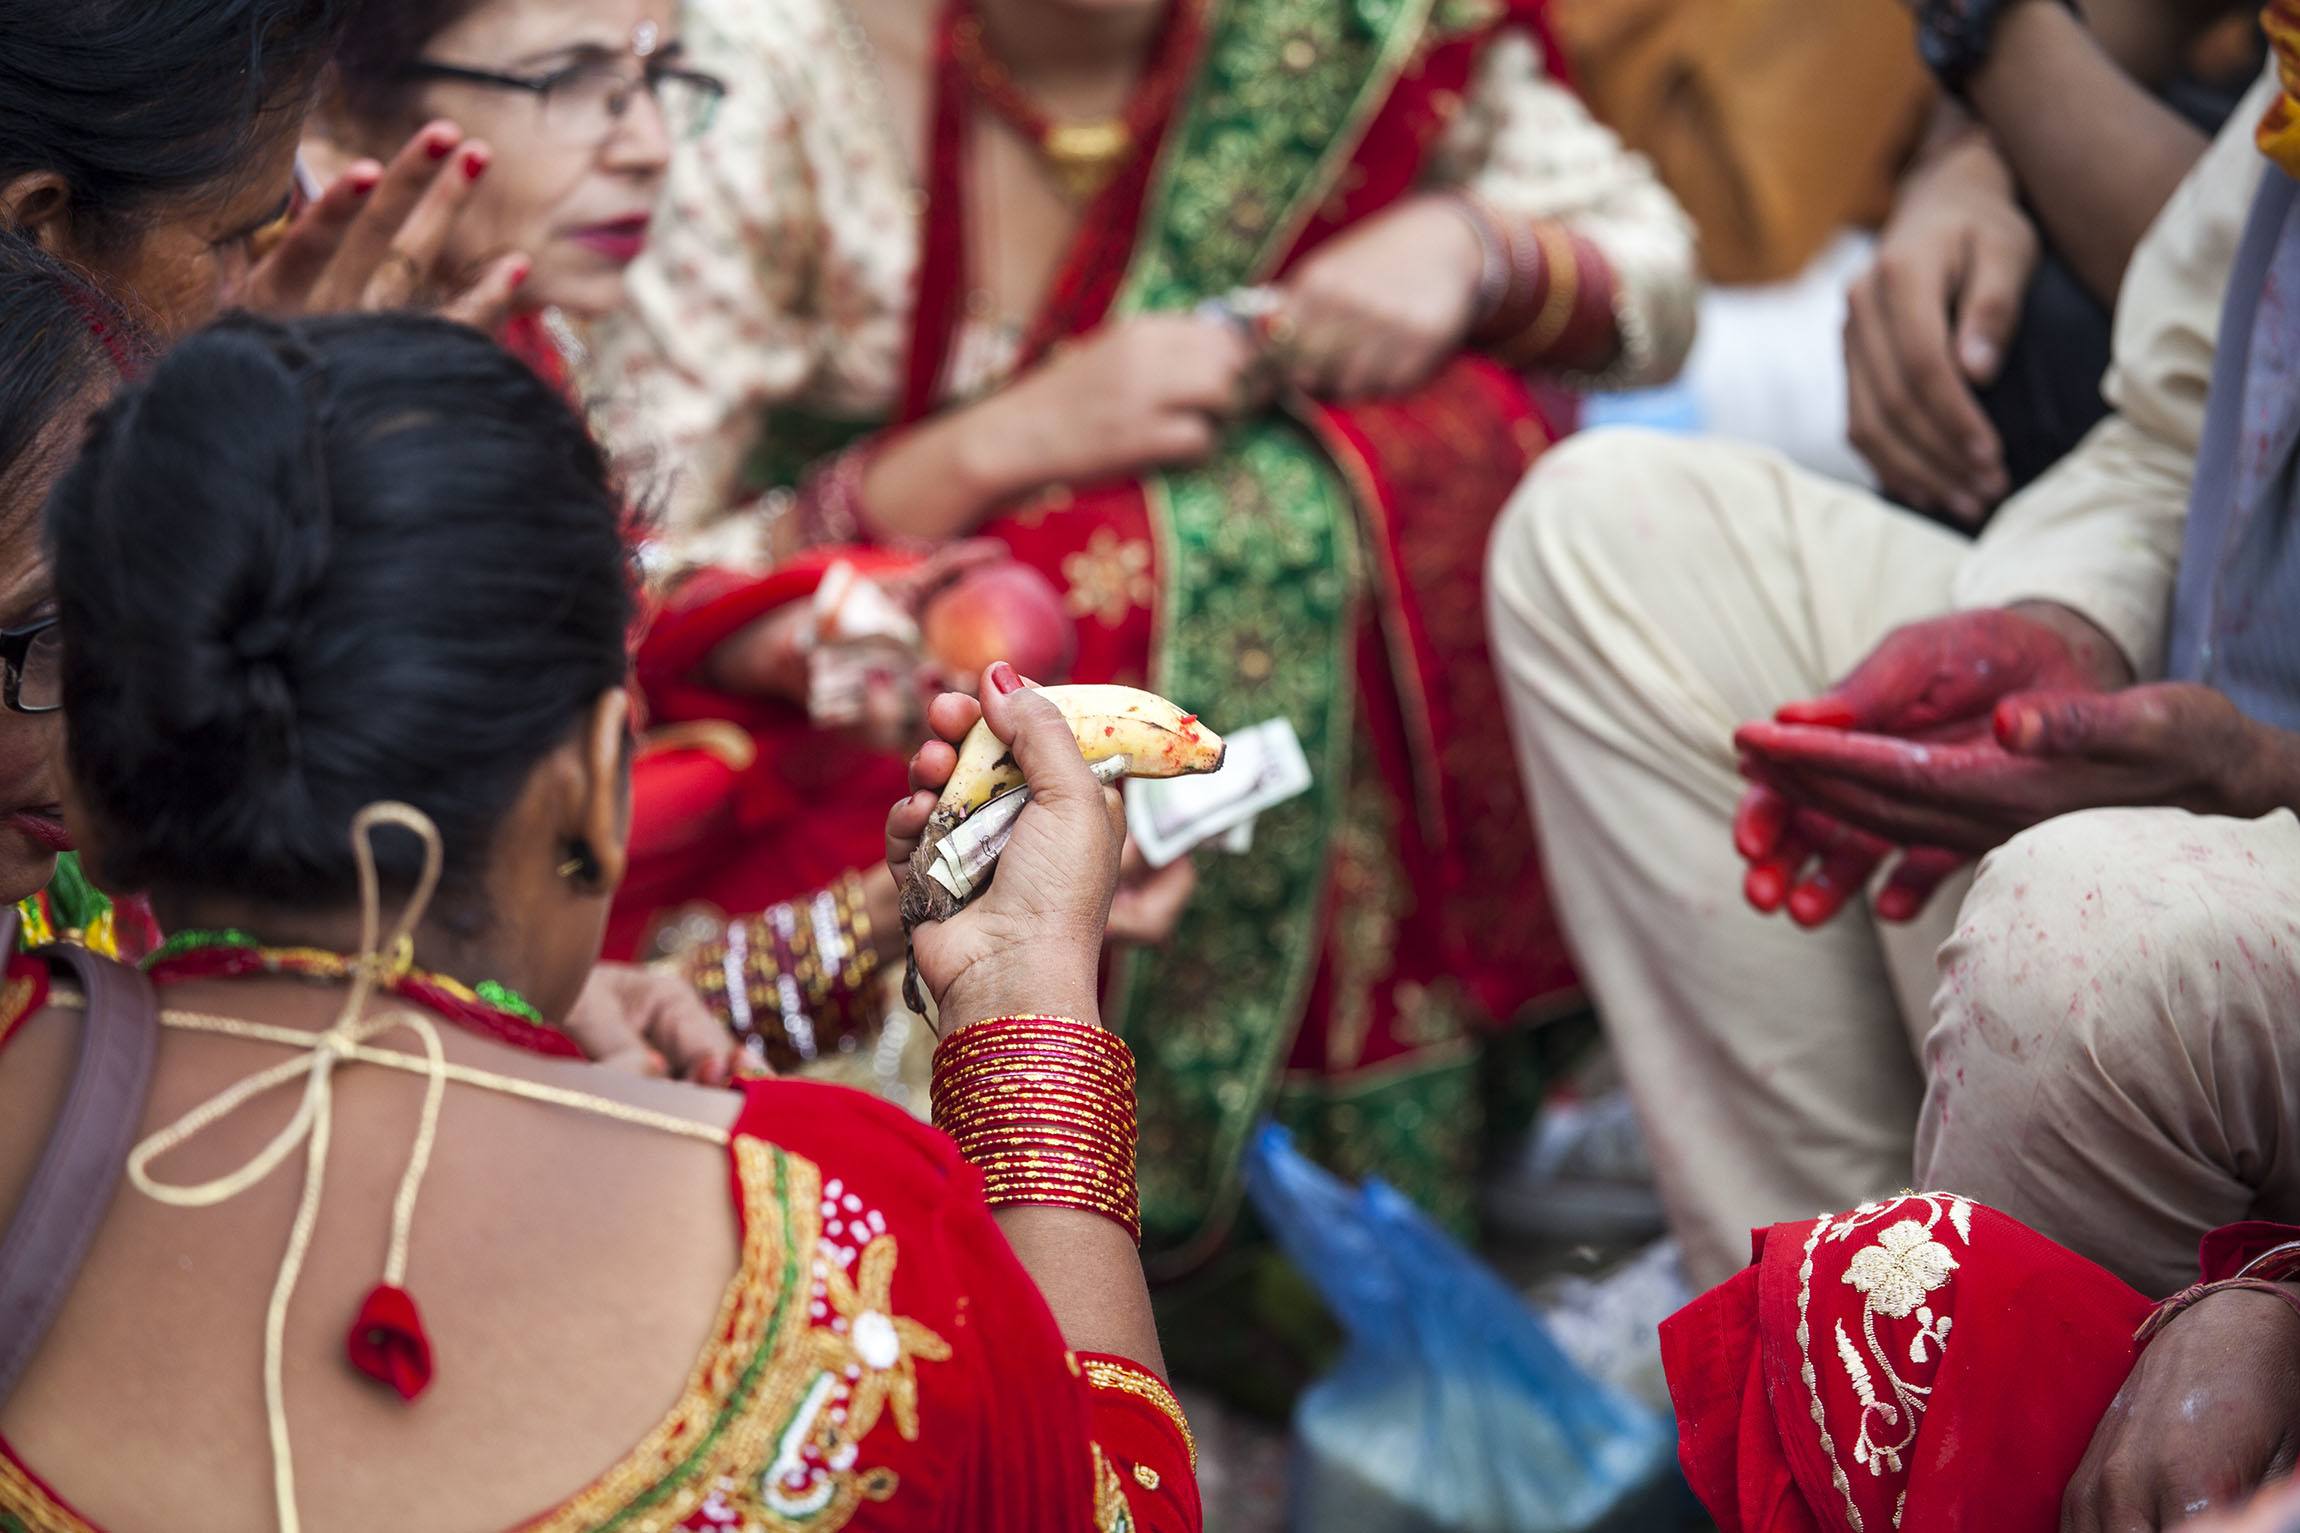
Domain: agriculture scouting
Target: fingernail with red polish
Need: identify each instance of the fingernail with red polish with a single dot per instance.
(1896, 904)
(475, 163)
(1002, 677)
(1811, 904)
(520, 274)
(1765, 888)
(440, 145)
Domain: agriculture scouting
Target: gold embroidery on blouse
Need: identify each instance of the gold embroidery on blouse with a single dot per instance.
(1143, 1385)
(25, 1508)
(771, 1418)
(1112, 1512)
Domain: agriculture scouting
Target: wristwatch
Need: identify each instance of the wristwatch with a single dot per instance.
(1954, 37)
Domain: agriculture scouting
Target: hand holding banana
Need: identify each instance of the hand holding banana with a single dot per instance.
(1022, 764)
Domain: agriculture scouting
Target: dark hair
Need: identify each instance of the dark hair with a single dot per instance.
(129, 100)
(59, 339)
(368, 82)
(313, 565)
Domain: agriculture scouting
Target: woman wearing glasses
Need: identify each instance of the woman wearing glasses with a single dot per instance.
(1222, 317)
(580, 102)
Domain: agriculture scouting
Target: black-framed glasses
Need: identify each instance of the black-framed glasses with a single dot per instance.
(583, 103)
(32, 660)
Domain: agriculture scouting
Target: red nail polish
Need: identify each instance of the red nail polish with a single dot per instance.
(475, 164)
(440, 145)
(520, 274)
(1811, 904)
(1002, 677)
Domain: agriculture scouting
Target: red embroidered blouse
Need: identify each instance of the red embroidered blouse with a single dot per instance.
(881, 1361)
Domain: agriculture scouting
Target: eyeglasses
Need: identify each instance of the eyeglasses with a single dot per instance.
(33, 660)
(584, 103)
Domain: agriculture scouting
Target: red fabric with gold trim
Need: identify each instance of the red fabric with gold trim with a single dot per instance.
(1008, 1429)
(23, 991)
(1868, 1372)
(1143, 1443)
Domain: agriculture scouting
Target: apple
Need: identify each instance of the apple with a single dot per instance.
(1004, 612)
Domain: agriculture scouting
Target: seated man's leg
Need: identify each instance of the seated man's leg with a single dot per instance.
(1648, 595)
(2116, 1052)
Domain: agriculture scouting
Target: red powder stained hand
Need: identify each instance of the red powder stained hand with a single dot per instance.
(1829, 806)
(1850, 799)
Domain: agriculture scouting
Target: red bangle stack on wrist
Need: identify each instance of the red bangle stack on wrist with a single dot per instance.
(1044, 1108)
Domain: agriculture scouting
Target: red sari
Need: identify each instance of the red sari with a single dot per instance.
(880, 1361)
(1326, 567)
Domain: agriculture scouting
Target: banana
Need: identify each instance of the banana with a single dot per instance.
(1121, 731)
(1150, 735)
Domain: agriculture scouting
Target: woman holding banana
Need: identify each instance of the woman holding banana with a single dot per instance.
(387, 848)
(1219, 314)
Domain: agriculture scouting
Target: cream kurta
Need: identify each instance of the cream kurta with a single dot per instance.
(782, 266)
(1648, 595)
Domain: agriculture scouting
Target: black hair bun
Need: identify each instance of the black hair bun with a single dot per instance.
(214, 642)
(307, 566)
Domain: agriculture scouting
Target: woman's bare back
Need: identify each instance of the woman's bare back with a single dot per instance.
(569, 1269)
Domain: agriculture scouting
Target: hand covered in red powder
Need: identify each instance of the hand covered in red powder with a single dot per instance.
(1882, 763)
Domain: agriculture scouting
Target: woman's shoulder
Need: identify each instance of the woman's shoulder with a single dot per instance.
(845, 1130)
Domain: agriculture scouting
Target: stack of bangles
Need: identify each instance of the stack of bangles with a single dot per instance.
(831, 509)
(794, 982)
(1043, 1107)
(1546, 294)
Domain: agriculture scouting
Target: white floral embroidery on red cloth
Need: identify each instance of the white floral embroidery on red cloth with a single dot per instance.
(1903, 1272)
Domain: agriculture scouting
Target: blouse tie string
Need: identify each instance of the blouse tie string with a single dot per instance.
(387, 1341)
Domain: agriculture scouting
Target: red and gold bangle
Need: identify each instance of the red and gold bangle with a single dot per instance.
(1044, 1108)
(1561, 289)
(1523, 293)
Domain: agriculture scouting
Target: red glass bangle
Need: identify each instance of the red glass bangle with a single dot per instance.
(1044, 1108)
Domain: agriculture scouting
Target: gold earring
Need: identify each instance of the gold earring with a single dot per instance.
(571, 868)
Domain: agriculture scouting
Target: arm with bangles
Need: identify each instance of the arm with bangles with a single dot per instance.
(1539, 240)
(1602, 274)
(1031, 1088)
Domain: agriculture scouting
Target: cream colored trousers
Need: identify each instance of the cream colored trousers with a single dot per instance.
(2101, 1037)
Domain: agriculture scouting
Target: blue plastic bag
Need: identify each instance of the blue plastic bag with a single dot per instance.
(1452, 1410)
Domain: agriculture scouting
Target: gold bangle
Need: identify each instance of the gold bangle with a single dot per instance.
(1563, 268)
